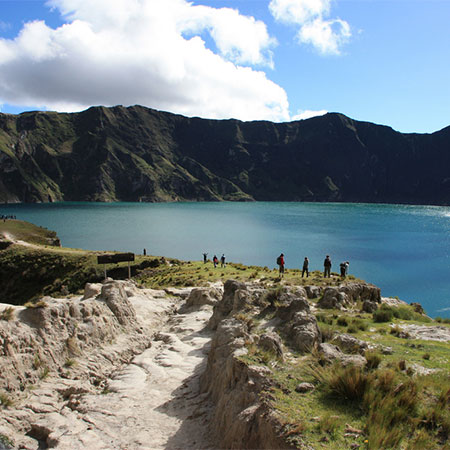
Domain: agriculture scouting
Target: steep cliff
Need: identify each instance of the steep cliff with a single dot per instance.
(139, 154)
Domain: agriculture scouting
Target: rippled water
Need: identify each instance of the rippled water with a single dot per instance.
(403, 249)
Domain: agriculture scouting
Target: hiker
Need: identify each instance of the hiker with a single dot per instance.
(222, 260)
(305, 267)
(215, 261)
(205, 258)
(280, 262)
(342, 267)
(327, 267)
(145, 252)
(346, 267)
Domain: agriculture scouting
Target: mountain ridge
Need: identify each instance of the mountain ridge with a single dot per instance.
(140, 154)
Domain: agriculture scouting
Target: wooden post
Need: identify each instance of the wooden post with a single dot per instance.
(129, 270)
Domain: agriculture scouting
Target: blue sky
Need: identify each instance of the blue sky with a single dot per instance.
(381, 61)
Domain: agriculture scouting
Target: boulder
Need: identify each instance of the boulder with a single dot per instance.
(350, 344)
(313, 291)
(290, 305)
(302, 388)
(330, 353)
(91, 290)
(304, 332)
(333, 299)
(271, 342)
(361, 291)
(117, 301)
(203, 296)
(224, 307)
(369, 306)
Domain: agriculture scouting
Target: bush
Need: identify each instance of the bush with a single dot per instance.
(383, 315)
(342, 321)
(360, 324)
(373, 360)
(343, 383)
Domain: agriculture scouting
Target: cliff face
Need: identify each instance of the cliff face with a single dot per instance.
(139, 154)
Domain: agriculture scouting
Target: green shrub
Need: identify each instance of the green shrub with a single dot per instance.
(382, 315)
(359, 324)
(343, 383)
(373, 360)
(342, 321)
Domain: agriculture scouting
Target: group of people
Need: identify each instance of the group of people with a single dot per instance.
(5, 217)
(215, 260)
(305, 270)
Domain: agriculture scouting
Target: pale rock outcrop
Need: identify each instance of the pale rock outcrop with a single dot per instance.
(303, 332)
(330, 353)
(271, 342)
(369, 306)
(92, 290)
(361, 291)
(203, 296)
(42, 339)
(235, 292)
(333, 299)
(290, 304)
(350, 344)
(241, 419)
(117, 301)
(313, 291)
(346, 295)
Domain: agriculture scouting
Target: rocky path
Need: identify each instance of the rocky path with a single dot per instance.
(153, 402)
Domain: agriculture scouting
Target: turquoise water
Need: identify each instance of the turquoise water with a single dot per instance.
(403, 249)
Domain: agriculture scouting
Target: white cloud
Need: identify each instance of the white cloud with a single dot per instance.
(148, 52)
(327, 36)
(307, 114)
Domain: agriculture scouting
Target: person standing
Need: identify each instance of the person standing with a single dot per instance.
(280, 262)
(327, 267)
(342, 268)
(205, 258)
(215, 260)
(222, 260)
(305, 267)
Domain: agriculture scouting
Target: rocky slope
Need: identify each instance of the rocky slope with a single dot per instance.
(128, 368)
(139, 154)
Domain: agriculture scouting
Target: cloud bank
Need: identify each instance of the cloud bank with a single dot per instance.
(148, 52)
(310, 16)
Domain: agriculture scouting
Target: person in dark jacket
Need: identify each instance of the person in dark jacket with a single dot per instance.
(280, 262)
(327, 267)
(305, 267)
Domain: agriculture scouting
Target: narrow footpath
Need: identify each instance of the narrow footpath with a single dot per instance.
(152, 403)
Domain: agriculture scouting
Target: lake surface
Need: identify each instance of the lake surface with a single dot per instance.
(403, 249)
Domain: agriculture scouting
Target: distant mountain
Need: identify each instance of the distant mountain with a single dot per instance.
(139, 154)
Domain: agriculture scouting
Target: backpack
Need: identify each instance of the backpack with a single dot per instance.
(279, 260)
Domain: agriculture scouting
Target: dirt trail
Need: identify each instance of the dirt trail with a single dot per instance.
(153, 402)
